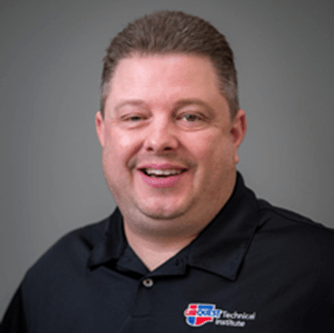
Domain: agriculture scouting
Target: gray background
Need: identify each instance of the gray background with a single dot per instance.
(50, 65)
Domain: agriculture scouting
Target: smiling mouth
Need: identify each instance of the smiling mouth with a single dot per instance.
(158, 173)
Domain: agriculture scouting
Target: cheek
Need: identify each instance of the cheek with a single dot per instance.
(115, 171)
(213, 154)
(207, 146)
(120, 147)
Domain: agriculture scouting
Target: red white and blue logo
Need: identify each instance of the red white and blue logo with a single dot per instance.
(200, 314)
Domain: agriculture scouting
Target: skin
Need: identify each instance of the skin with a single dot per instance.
(168, 109)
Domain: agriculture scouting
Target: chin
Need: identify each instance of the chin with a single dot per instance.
(162, 213)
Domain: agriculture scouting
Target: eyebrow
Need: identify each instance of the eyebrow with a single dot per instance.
(177, 105)
(185, 102)
(134, 102)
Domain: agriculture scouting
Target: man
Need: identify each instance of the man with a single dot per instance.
(189, 245)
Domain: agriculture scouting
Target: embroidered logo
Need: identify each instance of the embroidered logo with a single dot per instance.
(198, 314)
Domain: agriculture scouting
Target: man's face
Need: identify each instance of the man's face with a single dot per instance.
(169, 145)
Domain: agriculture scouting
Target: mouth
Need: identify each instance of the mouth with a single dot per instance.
(162, 173)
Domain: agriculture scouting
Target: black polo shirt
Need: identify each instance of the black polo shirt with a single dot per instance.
(254, 268)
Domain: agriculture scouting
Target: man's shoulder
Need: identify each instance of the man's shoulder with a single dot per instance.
(281, 217)
(294, 234)
(70, 253)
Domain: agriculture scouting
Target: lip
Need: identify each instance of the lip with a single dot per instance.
(161, 166)
(161, 182)
(156, 182)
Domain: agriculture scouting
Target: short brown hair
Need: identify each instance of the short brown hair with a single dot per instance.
(168, 32)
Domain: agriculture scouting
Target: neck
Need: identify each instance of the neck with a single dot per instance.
(154, 251)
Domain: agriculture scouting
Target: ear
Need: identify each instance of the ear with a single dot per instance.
(238, 131)
(99, 125)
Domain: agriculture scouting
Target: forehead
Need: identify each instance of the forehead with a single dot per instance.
(159, 78)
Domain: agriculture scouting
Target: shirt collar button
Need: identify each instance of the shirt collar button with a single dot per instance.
(148, 283)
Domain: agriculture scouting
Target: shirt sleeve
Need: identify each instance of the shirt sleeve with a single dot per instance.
(14, 319)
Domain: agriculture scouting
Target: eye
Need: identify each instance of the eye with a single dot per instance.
(191, 117)
(134, 118)
(193, 120)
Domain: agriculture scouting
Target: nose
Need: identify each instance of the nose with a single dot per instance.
(161, 137)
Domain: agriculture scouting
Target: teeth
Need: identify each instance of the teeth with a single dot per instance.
(162, 173)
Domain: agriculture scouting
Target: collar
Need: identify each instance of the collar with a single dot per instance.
(112, 244)
(220, 248)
